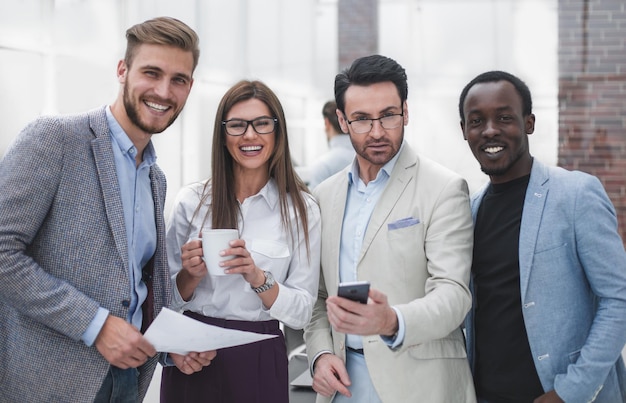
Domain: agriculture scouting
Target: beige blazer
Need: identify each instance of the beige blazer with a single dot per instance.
(424, 270)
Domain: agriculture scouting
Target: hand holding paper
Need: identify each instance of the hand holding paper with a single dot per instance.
(172, 332)
(192, 362)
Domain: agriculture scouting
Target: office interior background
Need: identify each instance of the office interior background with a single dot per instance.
(59, 56)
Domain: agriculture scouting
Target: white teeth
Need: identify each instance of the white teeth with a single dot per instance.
(251, 148)
(157, 106)
(493, 150)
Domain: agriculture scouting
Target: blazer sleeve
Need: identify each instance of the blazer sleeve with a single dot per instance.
(448, 248)
(30, 174)
(317, 333)
(602, 256)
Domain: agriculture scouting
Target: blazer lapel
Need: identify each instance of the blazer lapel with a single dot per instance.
(338, 208)
(476, 199)
(105, 163)
(159, 278)
(534, 202)
(401, 176)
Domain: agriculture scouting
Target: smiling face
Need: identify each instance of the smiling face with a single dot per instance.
(251, 151)
(155, 89)
(377, 147)
(497, 131)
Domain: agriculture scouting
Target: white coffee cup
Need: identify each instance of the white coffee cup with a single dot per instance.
(213, 242)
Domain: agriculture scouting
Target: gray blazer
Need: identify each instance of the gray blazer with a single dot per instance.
(417, 249)
(63, 253)
(573, 285)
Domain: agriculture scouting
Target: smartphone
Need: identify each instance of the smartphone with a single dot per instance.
(354, 290)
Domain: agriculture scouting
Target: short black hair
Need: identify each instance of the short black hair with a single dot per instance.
(495, 76)
(370, 70)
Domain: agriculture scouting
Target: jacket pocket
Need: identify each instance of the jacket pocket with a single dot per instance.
(573, 356)
(441, 348)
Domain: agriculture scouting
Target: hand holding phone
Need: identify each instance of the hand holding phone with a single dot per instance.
(354, 290)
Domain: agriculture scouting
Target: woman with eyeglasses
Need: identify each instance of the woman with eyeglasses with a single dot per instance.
(274, 274)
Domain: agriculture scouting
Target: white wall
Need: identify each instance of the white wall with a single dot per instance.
(443, 44)
(59, 56)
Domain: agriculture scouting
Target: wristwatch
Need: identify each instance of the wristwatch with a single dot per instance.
(269, 282)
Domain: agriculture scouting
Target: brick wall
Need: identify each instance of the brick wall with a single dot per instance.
(592, 94)
(358, 30)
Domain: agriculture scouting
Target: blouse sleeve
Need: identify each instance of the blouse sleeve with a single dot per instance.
(179, 232)
(294, 304)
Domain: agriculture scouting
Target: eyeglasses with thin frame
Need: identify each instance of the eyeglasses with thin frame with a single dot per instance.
(390, 121)
(261, 125)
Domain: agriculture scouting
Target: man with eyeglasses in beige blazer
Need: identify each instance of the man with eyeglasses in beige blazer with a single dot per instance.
(403, 223)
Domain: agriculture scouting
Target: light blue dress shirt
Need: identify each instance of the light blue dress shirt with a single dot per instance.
(360, 203)
(136, 193)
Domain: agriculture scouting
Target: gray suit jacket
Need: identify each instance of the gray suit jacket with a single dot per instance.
(417, 249)
(63, 253)
(573, 285)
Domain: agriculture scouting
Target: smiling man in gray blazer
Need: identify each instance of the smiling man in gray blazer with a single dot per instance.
(548, 322)
(82, 248)
(403, 223)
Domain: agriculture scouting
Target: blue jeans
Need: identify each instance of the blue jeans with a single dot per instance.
(119, 386)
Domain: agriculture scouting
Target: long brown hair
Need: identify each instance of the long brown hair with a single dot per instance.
(224, 207)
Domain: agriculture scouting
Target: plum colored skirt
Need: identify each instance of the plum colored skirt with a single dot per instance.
(255, 372)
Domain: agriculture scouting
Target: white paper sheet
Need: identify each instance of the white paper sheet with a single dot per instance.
(172, 332)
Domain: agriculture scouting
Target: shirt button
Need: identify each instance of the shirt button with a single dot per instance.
(126, 303)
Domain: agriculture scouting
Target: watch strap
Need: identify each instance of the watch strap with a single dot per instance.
(269, 282)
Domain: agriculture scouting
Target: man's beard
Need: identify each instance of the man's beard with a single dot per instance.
(132, 110)
(495, 171)
(372, 159)
(502, 170)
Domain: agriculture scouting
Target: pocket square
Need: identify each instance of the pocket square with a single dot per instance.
(403, 223)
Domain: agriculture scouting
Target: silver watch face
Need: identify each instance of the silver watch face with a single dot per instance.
(269, 282)
(269, 279)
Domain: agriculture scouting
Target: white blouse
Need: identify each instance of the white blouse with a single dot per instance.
(271, 247)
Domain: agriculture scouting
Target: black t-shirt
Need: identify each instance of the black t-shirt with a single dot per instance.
(504, 368)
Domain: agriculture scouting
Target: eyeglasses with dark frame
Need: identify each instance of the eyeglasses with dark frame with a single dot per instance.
(390, 121)
(261, 125)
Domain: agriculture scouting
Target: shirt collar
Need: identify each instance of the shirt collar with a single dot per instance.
(269, 193)
(122, 140)
(387, 168)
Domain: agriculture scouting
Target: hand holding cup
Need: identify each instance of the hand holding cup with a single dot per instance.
(213, 242)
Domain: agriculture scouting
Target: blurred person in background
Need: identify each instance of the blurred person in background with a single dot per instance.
(403, 223)
(274, 274)
(340, 151)
(548, 322)
(83, 268)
